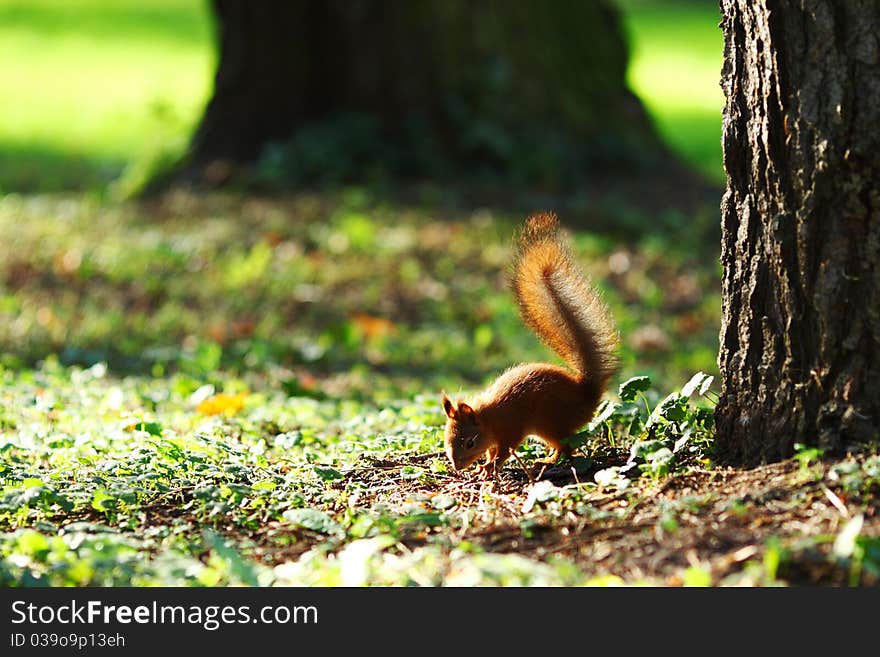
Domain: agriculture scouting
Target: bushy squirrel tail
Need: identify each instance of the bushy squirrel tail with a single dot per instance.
(560, 305)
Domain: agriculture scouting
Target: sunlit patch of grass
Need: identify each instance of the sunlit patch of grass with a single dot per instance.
(675, 68)
(96, 84)
(92, 85)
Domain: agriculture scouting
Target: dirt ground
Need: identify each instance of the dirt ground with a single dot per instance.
(771, 525)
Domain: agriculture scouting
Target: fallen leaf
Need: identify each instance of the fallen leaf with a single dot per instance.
(371, 326)
(222, 403)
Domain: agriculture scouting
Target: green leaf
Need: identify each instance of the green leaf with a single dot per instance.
(152, 428)
(806, 454)
(706, 383)
(611, 477)
(696, 380)
(635, 423)
(293, 388)
(871, 466)
(32, 492)
(660, 462)
(606, 410)
(774, 555)
(103, 501)
(674, 413)
(328, 474)
(672, 408)
(313, 519)
(541, 491)
(845, 543)
(33, 543)
(240, 569)
(429, 518)
(696, 576)
(631, 387)
(443, 502)
(643, 449)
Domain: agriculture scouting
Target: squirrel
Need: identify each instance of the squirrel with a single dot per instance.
(558, 303)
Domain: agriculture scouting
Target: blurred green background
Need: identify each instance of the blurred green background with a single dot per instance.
(99, 94)
(92, 87)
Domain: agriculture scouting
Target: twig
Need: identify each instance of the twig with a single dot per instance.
(836, 501)
(528, 474)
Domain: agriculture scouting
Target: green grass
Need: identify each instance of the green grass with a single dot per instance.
(675, 68)
(284, 283)
(94, 85)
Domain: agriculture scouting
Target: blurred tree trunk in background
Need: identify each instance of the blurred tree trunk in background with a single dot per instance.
(468, 77)
(801, 228)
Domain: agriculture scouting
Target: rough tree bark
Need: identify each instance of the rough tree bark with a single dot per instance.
(284, 65)
(260, 85)
(801, 227)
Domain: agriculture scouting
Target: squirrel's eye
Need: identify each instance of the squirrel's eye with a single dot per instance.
(470, 443)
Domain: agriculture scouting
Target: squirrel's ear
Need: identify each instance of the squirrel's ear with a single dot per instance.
(465, 410)
(447, 406)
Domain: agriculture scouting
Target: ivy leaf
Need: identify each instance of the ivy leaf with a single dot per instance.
(313, 519)
(706, 383)
(696, 381)
(671, 409)
(631, 387)
(103, 501)
(238, 567)
(152, 428)
(443, 502)
(328, 474)
(606, 410)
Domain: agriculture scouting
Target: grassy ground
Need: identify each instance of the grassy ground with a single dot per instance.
(97, 86)
(225, 388)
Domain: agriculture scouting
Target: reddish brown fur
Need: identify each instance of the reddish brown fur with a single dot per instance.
(559, 304)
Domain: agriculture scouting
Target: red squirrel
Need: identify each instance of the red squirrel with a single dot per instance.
(558, 303)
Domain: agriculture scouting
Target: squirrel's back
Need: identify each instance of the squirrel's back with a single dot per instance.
(560, 305)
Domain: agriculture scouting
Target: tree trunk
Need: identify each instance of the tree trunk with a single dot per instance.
(472, 76)
(259, 86)
(801, 228)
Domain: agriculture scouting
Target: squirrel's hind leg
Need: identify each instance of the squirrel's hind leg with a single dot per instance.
(557, 449)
